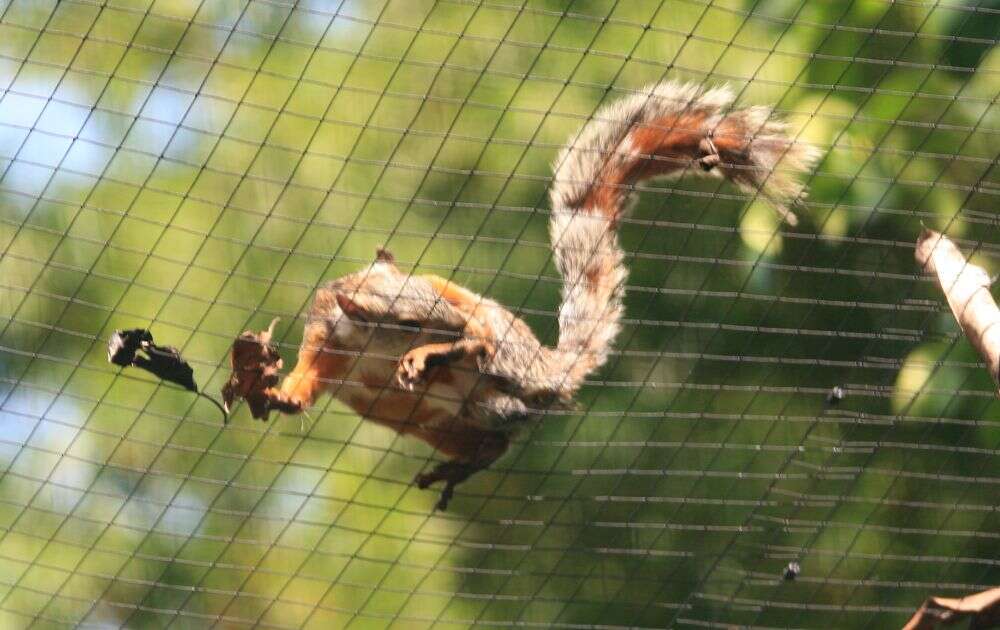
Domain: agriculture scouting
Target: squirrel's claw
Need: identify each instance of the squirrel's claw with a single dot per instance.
(709, 162)
(411, 370)
(451, 473)
(280, 401)
(709, 154)
(446, 494)
(261, 403)
(424, 481)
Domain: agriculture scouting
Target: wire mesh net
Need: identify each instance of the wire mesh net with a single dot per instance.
(791, 431)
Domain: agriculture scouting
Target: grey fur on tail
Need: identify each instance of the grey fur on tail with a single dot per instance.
(663, 130)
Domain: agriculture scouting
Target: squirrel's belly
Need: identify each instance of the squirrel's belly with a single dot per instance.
(375, 395)
(402, 411)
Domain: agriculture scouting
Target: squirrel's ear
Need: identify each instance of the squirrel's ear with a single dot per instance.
(351, 308)
(384, 255)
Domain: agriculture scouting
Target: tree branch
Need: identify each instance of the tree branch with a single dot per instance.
(982, 609)
(967, 288)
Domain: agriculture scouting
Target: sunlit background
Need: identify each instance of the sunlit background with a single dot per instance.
(197, 168)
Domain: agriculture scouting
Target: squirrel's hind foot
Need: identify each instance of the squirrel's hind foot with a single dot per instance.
(452, 474)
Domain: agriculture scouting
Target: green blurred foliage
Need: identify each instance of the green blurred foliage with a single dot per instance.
(200, 167)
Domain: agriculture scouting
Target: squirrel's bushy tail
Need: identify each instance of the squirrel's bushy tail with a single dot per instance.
(667, 129)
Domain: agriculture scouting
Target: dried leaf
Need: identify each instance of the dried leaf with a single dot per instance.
(164, 362)
(981, 609)
(256, 365)
(123, 345)
(135, 348)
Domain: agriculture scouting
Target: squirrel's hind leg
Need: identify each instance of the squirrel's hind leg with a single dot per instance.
(474, 449)
(451, 473)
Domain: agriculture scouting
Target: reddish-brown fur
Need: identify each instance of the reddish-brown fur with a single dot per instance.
(668, 145)
(317, 367)
(467, 302)
(412, 414)
(404, 412)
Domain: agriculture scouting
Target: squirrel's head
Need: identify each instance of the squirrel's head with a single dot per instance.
(382, 308)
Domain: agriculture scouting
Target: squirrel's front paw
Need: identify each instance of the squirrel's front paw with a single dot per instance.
(262, 402)
(280, 401)
(411, 369)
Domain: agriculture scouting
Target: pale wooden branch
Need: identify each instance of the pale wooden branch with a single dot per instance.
(967, 288)
(982, 610)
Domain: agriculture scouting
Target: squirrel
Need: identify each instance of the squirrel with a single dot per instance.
(430, 359)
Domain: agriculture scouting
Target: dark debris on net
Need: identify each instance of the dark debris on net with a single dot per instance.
(135, 348)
